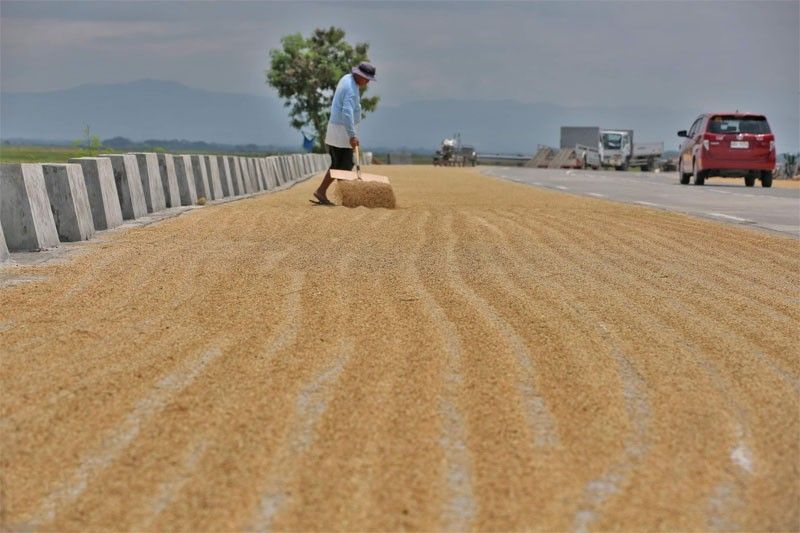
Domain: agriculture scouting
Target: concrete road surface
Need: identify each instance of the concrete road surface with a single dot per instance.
(728, 200)
(488, 356)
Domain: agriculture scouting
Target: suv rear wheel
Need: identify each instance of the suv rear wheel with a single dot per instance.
(684, 176)
(766, 178)
(749, 180)
(699, 175)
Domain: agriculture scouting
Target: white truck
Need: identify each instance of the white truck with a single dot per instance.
(646, 155)
(615, 146)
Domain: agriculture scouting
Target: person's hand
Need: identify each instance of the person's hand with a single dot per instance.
(353, 142)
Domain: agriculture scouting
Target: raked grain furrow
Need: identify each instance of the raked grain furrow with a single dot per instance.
(737, 332)
(726, 273)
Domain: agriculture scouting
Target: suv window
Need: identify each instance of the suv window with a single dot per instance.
(695, 127)
(738, 124)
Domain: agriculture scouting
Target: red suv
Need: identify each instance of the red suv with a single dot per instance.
(728, 145)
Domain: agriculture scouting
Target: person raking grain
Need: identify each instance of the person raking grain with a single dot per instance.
(341, 137)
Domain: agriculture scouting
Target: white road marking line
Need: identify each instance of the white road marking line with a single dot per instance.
(648, 204)
(597, 195)
(728, 217)
(561, 187)
(92, 464)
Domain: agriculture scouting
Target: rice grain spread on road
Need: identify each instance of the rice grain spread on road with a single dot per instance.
(487, 356)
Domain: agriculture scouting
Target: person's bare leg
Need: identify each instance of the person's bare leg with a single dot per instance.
(322, 190)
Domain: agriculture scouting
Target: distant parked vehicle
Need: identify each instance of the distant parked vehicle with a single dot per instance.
(452, 153)
(615, 147)
(728, 145)
(645, 155)
(589, 156)
(469, 154)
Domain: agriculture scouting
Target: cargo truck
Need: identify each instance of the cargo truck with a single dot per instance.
(646, 155)
(615, 146)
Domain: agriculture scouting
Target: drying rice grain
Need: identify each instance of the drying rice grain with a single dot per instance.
(357, 193)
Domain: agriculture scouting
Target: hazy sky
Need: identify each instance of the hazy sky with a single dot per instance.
(696, 55)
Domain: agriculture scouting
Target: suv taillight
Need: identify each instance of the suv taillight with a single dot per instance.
(707, 141)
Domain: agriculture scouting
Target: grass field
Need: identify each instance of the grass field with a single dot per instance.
(61, 154)
(46, 154)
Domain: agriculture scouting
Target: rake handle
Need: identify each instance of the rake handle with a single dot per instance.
(358, 162)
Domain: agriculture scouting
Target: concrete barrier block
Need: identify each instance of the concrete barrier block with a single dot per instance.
(274, 163)
(254, 174)
(4, 254)
(169, 180)
(69, 201)
(251, 175)
(262, 178)
(298, 165)
(225, 176)
(236, 175)
(287, 175)
(296, 172)
(270, 172)
(25, 214)
(151, 181)
(266, 173)
(129, 185)
(292, 169)
(186, 182)
(98, 175)
(282, 173)
(212, 171)
(201, 177)
(247, 184)
(258, 179)
(279, 170)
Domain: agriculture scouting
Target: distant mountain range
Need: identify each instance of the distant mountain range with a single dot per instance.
(153, 109)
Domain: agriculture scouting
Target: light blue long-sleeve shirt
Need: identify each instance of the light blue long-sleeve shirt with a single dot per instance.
(346, 105)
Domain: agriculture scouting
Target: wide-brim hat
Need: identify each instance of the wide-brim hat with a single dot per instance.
(365, 70)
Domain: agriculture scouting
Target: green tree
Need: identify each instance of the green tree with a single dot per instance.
(305, 73)
(89, 141)
(94, 143)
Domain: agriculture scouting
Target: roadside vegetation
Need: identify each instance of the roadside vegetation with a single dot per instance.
(47, 154)
(62, 154)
